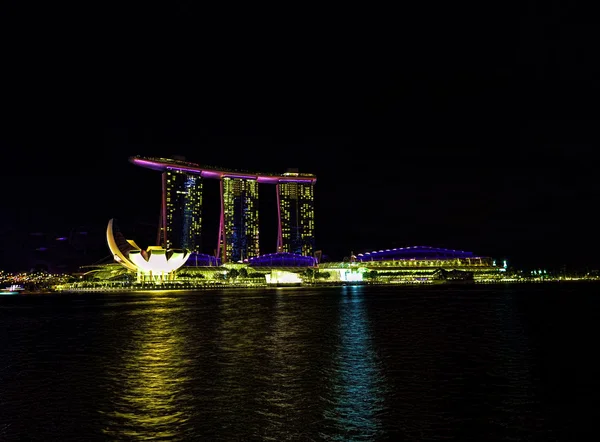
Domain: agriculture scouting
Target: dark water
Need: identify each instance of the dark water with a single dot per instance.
(478, 363)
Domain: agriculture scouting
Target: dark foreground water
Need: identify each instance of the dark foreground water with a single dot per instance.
(478, 363)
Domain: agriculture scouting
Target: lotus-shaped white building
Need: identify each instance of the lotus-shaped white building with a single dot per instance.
(155, 264)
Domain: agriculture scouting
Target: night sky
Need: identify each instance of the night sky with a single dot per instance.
(472, 129)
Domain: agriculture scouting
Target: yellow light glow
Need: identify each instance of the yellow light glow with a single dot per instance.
(282, 277)
(156, 262)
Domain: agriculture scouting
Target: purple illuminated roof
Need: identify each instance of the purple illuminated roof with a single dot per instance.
(202, 260)
(162, 164)
(282, 259)
(415, 252)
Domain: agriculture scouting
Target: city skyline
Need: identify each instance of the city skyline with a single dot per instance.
(454, 216)
(520, 216)
(472, 137)
(139, 214)
(182, 208)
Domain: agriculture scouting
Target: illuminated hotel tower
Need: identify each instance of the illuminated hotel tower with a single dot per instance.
(296, 210)
(181, 211)
(238, 226)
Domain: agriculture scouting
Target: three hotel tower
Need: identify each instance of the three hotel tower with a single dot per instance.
(180, 223)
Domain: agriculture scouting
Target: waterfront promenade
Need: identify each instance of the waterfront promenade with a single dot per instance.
(78, 288)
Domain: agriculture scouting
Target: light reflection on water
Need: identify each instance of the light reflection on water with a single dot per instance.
(273, 370)
(351, 364)
(358, 385)
(147, 384)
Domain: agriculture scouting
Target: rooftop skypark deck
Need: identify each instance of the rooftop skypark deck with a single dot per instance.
(212, 172)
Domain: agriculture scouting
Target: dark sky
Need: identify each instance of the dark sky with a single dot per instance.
(472, 128)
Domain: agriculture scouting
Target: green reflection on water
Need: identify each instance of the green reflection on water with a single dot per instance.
(358, 388)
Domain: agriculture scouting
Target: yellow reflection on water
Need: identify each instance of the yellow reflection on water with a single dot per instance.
(285, 371)
(148, 385)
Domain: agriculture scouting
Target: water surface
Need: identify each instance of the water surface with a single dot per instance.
(508, 362)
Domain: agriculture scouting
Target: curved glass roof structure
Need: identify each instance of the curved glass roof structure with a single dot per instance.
(202, 260)
(414, 252)
(282, 259)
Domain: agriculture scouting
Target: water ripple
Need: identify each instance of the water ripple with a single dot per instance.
(338, 364)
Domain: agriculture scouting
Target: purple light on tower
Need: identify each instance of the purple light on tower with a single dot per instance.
(212, 173)
(165, 164)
